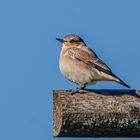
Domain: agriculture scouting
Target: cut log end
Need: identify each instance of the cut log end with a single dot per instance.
(96, 113)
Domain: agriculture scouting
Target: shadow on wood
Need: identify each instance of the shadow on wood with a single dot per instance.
(97, 113)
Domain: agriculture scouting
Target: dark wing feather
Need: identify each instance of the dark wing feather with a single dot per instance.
(88, 56)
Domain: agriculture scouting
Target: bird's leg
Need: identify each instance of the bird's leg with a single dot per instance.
(75, 91)
(82, 87)
(78, 89)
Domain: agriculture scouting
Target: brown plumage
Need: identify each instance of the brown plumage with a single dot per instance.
(81, 65)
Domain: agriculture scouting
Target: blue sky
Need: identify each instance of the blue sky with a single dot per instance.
(29, 55)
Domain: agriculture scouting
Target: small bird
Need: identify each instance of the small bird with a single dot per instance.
(81, 65)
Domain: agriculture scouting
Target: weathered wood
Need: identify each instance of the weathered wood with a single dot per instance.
(97, 113)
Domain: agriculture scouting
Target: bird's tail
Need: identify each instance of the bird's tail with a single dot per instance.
(118, 80)
(124, 84)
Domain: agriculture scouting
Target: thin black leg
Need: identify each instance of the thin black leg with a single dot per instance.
(77, 90)
(82, 87)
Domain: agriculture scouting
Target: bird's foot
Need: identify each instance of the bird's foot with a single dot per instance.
(82, 87)
(78, 90)
(75, 91)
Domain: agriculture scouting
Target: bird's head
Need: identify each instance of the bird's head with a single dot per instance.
(71, 41)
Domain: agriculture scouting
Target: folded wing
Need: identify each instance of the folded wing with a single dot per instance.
(87, 56)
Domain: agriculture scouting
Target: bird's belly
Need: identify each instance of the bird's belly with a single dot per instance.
(79, 73)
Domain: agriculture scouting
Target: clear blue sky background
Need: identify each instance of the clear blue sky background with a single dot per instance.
(29, 55)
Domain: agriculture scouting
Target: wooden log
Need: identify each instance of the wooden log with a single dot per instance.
(96, 113)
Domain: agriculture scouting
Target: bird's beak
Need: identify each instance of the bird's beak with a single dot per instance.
(58, 39)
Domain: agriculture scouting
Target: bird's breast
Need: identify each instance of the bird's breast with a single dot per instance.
(76, 71)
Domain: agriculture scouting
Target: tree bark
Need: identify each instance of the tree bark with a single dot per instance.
(96, 113)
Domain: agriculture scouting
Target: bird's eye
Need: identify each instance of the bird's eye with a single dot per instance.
(72, 41)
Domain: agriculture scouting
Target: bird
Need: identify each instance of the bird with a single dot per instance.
(81, 65)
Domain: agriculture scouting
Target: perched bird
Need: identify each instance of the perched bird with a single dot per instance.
(81, 65)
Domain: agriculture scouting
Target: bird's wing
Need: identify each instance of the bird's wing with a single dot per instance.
(88, 57)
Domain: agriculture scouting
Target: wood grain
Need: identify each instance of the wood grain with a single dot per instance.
(96, 113)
